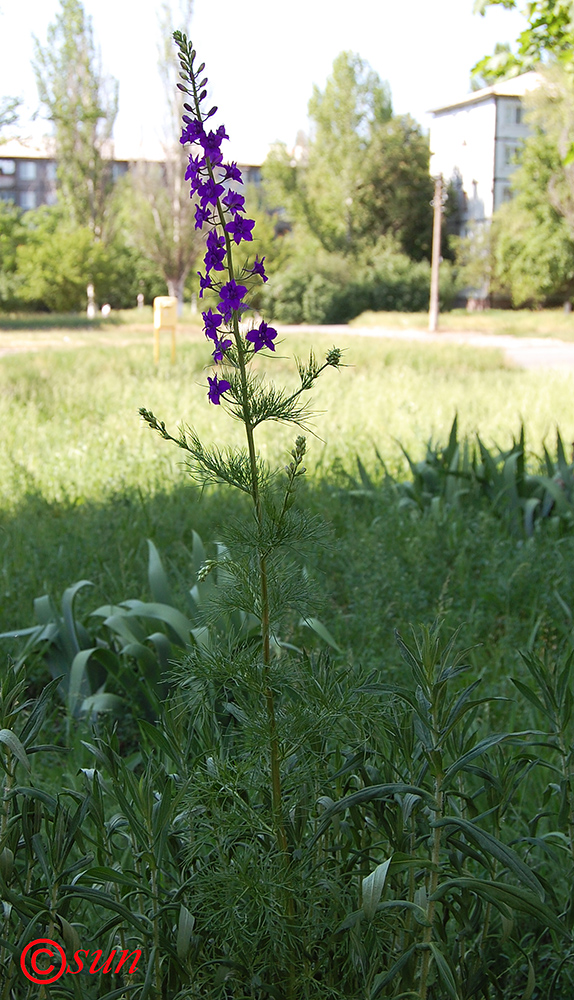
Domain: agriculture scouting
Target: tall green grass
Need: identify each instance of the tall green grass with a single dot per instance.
(83, 483)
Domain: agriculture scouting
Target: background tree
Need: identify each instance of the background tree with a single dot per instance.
(362, 174)
(157, 213)
(12, 234)
(82, 106)
(549, 34)
(533, 235)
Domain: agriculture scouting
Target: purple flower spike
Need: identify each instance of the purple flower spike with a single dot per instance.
(217, 386)
(262, 337)
(240, 228)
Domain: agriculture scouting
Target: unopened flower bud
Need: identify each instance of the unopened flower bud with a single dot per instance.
(205, 569)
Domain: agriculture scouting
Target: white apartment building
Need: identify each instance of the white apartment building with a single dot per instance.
(474, 143)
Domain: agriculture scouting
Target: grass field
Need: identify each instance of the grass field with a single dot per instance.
(510, 322)
(83, 482)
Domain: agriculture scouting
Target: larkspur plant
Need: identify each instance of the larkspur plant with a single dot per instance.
(261, 583)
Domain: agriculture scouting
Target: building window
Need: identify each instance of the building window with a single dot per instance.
(7, 196)
(7, 167)
(118, 170)
(27, 170)
(28, 199)
(510, 155)
(51, 171)
(518, 117)
(507, 194)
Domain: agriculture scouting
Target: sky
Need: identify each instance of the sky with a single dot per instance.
(263, 57)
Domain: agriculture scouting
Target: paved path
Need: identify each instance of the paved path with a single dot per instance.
(524, 352)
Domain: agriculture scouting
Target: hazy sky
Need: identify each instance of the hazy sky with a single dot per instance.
(263, 57)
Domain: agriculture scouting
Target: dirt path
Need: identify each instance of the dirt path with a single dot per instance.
(524, 352)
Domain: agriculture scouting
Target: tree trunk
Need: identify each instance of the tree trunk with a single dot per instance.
(175, 287)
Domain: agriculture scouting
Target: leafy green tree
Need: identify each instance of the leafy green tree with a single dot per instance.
(12, 233)
(396, 189)
(51, 262)
(550, 33)
(533, 236)
(57, 261)
(362, 174)
(82, 107)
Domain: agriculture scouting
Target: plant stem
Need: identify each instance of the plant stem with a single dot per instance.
(434, 877)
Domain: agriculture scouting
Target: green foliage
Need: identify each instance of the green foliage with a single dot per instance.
(362, 174)
(460, 476)
(56, 263)
(97, 862)
(531, 252)
(48, 263)
(549, 35)
(12, 234)
(133, 646)
(319, 287)
(8, 113)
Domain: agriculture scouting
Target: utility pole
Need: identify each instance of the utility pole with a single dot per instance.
(435, 261)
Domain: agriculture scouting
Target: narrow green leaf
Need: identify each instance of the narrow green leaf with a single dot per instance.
(497, 849)
(373, 886)
(10, 740)
(321, 631)
(158, 582)
(184, 932)
(444, 971)
(384, 978)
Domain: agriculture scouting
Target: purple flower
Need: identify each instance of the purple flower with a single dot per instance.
(259, 269)
(215, 255)
(232, 172)
(262, 337)
(203, 283)
(217, 386)
(230, 296)
(194, 168)
(220, 347)
(213, 260)
(212, 142)
(212, 323)
(240, 228)
(234, 201)
(201, 215)
(193, 130)
(210, 191)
